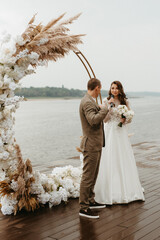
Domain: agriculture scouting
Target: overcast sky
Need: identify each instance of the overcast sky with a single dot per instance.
(122, 41)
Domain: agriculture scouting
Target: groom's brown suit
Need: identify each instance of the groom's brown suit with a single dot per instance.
(91, 116)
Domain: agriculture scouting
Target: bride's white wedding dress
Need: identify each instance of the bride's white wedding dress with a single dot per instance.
(118, 180)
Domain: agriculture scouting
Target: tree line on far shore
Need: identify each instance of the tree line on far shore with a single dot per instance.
(55, 92)
(52, 92)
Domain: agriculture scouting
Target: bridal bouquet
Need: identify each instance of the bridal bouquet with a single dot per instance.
(125, 113)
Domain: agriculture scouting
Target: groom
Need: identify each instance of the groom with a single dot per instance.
(91, 116)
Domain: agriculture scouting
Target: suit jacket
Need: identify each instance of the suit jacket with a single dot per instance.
(92, 116)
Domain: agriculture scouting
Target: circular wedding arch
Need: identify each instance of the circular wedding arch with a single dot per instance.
(20, 186)
(83, 59)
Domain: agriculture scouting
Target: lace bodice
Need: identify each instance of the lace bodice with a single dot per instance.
(113, 115)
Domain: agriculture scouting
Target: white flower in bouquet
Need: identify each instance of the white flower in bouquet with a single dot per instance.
(2, 176)
(6, 38)
(122, 109)
(42, 41)
(13, 165)
(4, 155)
(55, 198)
(125, 113)
(6, 56)
(13, 100)
(6, 112)
(58, 171)
(7, 135)
(63, 193)
(29, 71)
(7, 123)
(44, 197)
(14, 185)
(7, 79)
(129, 115)
(13, 86)
(68, 186)
(8, 204)
(19, 40)
(3, 98)
(33, 57)
(22, 54)
(42, 63)
(37, 188)
(19, 72)
(76, 173)
(10, 149)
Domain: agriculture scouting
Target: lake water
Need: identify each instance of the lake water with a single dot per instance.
(48, 131)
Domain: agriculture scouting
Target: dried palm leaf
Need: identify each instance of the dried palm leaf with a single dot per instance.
(51, 23)
(28, 166)
(32, 19)
(50, 42)
(5, 188)
(70, 20)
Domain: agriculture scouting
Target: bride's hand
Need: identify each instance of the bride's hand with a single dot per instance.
(123, 120)
(111, 100)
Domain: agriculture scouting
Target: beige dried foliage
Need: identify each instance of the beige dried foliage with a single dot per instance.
(32, 19)
(28, 166)
(51, 23)
(23, 195)
(5, 188)
(21, 186)
(21, 165)
(78, 149)
(70, 20)
(59, 42)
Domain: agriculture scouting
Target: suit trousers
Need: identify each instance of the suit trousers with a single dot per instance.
(91, 162)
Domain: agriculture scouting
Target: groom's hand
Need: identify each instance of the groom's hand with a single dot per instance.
(101, 106)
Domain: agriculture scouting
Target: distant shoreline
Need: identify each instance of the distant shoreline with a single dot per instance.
(65, 93)
(70, 98)
(51, 98)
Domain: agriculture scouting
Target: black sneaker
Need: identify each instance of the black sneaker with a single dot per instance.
(88, 213)
(96, 205)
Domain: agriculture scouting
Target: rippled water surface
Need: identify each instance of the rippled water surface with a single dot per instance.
(48, 131)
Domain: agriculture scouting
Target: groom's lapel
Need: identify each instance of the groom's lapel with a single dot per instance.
(91, 98)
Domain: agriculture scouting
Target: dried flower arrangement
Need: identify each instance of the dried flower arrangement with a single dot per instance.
(20, 186)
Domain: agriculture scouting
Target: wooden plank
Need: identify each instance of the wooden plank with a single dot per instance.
(143, 215)
(143, 224)
(145, 231)
(154, 235)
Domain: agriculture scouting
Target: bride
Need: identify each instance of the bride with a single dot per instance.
(118, 180)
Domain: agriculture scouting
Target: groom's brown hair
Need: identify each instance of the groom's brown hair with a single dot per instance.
(93, 83)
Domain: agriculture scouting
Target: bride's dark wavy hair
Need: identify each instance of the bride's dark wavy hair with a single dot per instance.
(122, 96)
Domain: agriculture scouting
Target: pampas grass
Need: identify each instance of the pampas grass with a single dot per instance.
(25, 200)
(50, 42)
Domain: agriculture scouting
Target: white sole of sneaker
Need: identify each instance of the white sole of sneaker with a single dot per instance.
(88, 216)
(97, 207)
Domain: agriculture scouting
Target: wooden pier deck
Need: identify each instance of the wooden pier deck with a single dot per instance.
(137, 220)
